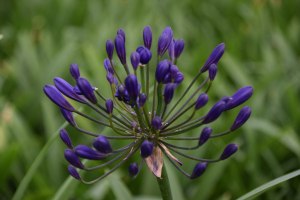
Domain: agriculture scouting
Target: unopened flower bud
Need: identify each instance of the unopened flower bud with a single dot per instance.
(171, 49)
(74, 70)
(164, 41)
(133, 169)
(162, 69)
(102, 145)
(56, 97)
(198, 170)
(168, 93)
(110, 78)
(120, 48)
(214, 112)
(214, 57)
(121, 32)
(110, 49)
(156, 123)
(88, 153)
(73, 172)
(108, 66)
(109, 104)
(146, 149)
(173, 71)
(201, 101)
(72, 158)
(145, 54)
(147, 36)
(240, 97)
(131, 85)
(212, 71)
(205, 134)
(135, 60)
(86, 89)
(179, 46)
(242, 117)
(65, 138)
(142, 99)
(68, 115)
(229, 151)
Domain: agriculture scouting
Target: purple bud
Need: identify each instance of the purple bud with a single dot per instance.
(109, 106)
(163, 44)
(162, 69)
(214, 57)
(145, 54)
(120, 48)
(122, 93)
(102, 145)
(179, 78)
(169, 32)
(108, 66)
(110, 78)
(214, 112)
(212, 71)
(86, 89)
(68, 90)
(133, 169)
(179, 46)
(168, 93)
(205, 134)
(173, 71)
(65, 138)
(171, 49)
(156, 123)
(135, 60)
(146, 149)
(110, 49)
(242, 117)
(131, 85)
(201, 101)
(116, 81)
(73, 172)
(147, 36)
(88, 153)
(198, 170)
(73, 159)
(229, 151)
(122, 33)
(56, 97)
(68, 116)
(142, 99)
(74, 70)
(77, 90)
(240, 97)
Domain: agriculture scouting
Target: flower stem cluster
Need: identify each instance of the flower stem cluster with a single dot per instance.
(126, 112)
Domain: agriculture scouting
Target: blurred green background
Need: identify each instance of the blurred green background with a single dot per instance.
(40, 39)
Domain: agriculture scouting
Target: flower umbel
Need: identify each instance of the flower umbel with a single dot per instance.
(127, 110)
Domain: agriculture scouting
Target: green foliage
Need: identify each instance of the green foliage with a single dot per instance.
(42, 38)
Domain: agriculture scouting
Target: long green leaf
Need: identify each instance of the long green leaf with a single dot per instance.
(258, 191)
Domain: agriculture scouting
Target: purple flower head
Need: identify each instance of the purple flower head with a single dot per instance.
(164, 41)
(56, 97)
(86, 89)
(122, 93)
(179, 46)
(162, 69)
(142, 99)
(205, 134)
(135, 60)
(131, 85)
(88, 153)
(109, 106)
(74, 70)
(214, 112)
(168, 93)
(120, 48)
(72, 158)
(198, 170)
(214, 57)
(110, 78)
(147, 36)
(121, 32)
(240, 97)
(173, 71)
(229, 151)
(146, 149)
(108, 66)
(201, 101)
(65, 88)
(212, 71)
(73, 172)
(171, 49)
(110, 49)
(145, 54)
(156, 123)
(68, 115)
(133, 170)
(242, 117)
(102, 145)
(65, 138)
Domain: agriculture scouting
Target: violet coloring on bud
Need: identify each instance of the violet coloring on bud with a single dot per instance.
(102, 145)
(74, 70)
(86, 89)
(56, 97)
(205, 134)
(65, 138)
(110, 49)
(147, 36)
(179, 46)
(109, 106)
(241, 119)
(135, 60)
(229, 151)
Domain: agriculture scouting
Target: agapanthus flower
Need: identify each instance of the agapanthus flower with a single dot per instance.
(127, 111)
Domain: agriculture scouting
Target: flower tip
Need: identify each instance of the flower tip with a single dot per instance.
(68, 116)
(201, 101)
(72, 158)
(142, 99)
(86, 89)
(214, 57)
(205, 134)
(241, 96)
(65, 138)
(198, 170)
(133, 170)
(242, 117)
(179, 46)
(102, 145)
(212, 71)
(147, 36)
(156, 123)
(110, 48)
(135, 60)
(168, 93)
(121, 32)
(74, 70)
(109, 106)
(73, 172)
(229, 151)
(146, 149)
(132, 87)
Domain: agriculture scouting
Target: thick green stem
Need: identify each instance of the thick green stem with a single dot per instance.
(164, 185)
